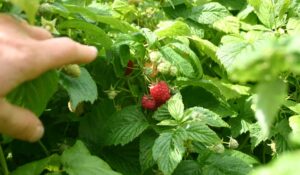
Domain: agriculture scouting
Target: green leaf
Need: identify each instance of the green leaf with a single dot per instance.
(168, 150)
(182, 64)
(242, 156)
(93, 33)
(230, 91)
(124, 159)
(220, 164)
(198, 131)
(208, 13)
(294, 122)
(172, 28)
(30, 8)
(168, 123)
(281, 143)
(34, 95)
(242, 123)
(293, 26)
(198, 96)
(188, 167)
(126, 125)
(146, 143)
(77, 160)
(229, 24)
(206, 48)
(283, 165)
(204, 83)
(239, 126)
(206, 116)
(172, 3)
(162, 113)
(91, 14)
(233, 4)
(246, 12)
(267, 102)
(92, 125)
(188, 54)
(150, 36)
(54, 8)
(80, 89)
(256, 135)
(234, 48)
(255, 56)
(123, 7)
(124, 53)
(196, 30)
(37, 167)
(270, 13)
(176, 107)
(294, 106)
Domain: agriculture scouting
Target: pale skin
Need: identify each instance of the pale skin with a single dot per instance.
(25, 53)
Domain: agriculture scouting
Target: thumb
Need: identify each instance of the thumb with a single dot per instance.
(19, 123)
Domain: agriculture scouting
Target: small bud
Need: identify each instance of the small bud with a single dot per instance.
(164, 67)
(173, 70)
(49, 25)
(219, 148)
(72, 70)
(112, 93)
(155, 56)
(233, 144)
(45, 8)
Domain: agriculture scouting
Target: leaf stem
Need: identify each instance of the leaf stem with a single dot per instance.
(44, 148)
(264, 153)
(3, 162)
(245, 141)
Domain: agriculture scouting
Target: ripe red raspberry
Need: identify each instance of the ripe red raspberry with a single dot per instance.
(148, 102)
(160, 92)
(129, 68)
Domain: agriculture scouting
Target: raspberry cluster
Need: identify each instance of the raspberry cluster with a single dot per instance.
(159, 94)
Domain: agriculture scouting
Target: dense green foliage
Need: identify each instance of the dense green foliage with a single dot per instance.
(232, 66)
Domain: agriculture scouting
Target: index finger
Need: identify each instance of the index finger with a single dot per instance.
(56, 52)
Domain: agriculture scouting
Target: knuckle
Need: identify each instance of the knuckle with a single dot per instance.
(69, 43)
(68, 46)
(5, 18)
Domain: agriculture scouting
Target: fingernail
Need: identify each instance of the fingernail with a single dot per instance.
(94, 49)
(39, 132)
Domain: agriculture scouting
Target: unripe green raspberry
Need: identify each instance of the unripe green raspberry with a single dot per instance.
(233, 144)
(112, 93)
(45, 8)
(72, 70)
(164, 67)
(219, 148)
(173, 70)
(155, 56)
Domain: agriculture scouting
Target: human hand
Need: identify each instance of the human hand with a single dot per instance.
(25, 53)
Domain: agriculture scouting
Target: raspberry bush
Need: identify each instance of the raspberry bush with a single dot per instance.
(179, 87)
